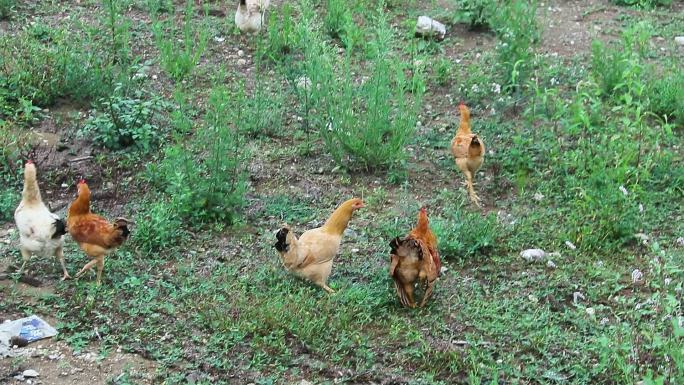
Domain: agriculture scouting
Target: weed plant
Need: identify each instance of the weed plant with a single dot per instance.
(519, 33)
(478, 14)
(180, 57)
(371, 123)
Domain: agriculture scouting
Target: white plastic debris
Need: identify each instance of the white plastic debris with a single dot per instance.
(550, 264)
(667, 281)
(533, 255)
(570, 245)
(538, 197)
(637, 276)
(679, 40)
(680, 241)
(30, 373)
(577, 296)
(427, 27)
(590, 311)
(31, 328)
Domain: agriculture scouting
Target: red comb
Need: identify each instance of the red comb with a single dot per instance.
(81, 181)
(29, 161)
(462, 103)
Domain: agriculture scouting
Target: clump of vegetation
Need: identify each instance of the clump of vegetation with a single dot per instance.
(644, 3)
(371, 123)
(666, 96)
(280, 38)
(477, 13)
(121, 122)
(466, 234)
(158, 227)
(519, 33)
(179, 57)
(206, 181)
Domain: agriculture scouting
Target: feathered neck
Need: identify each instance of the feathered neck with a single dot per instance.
(82, 203)
(464, 126)
(423, 223)
(31, 193)
(339, 219)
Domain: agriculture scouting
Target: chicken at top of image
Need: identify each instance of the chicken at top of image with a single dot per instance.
(468, 151)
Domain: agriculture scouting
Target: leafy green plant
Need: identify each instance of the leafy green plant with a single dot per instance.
(465, 234)
(158, 227)
(518, 31)
(122, 122)
(206, 181)
(179, 57)
(477, 13)
(280, 40)
(666, 96)
(370, 123)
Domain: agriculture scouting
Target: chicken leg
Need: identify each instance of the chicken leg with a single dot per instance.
(99, 261)
(470, 186)
(25, 255)
(59, 253)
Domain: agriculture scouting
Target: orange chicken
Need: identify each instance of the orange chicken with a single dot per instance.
(468, 151)
(423, 233)
(311, 256)
(95, 235)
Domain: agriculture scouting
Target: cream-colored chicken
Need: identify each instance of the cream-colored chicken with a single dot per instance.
(311, 256)
(40, 231)
(249, 16)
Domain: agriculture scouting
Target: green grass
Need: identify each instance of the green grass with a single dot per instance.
(583, 150)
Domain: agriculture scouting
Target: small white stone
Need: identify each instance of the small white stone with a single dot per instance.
(30, 373)
(219, 39)
(570, 245)
(241, 53)
(680, 241)
(64, 185)
(590, 311)
(241, 62)
(533, 255)
(538, 197)
(550, 264)
(679, 40)
(426, 26)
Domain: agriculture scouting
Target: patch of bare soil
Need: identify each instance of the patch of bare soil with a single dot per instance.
(570, 26)
(56, 364)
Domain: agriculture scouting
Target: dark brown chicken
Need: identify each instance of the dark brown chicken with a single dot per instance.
(411, 263)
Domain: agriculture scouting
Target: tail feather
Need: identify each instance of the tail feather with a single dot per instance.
(122, 224)
(281, 243)
(31, 193)
(60, 228)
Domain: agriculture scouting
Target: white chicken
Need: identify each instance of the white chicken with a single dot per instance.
(40, 231)
(249, 16)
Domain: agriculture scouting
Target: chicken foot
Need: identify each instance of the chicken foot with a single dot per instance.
(470, 186)
(99, 261)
